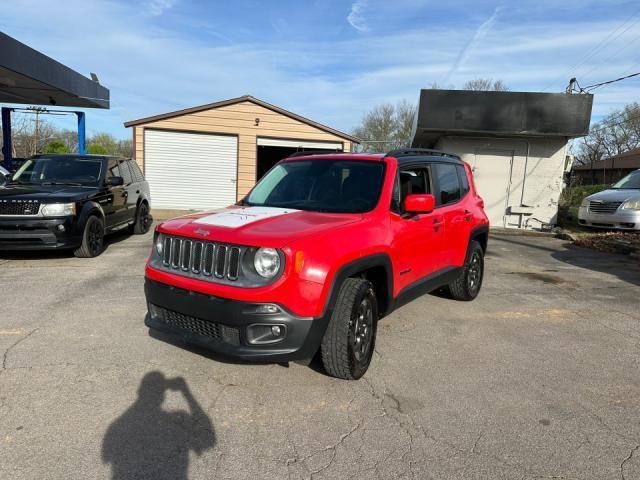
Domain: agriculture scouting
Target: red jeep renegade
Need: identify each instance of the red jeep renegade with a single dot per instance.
(319, 250)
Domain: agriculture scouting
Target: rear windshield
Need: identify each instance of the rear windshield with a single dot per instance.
(323, 185)
(630, 181)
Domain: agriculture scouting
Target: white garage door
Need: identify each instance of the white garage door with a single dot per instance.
(190, 170)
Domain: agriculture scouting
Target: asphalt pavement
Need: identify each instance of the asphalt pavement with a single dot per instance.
(537, 378)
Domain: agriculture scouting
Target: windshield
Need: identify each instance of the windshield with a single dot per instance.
(59, 171)
(344, 186)
(630, 181)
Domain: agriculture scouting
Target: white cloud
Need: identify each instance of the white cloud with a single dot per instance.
(151, 69)
(479, 34)
(157, 7)
(356, 16)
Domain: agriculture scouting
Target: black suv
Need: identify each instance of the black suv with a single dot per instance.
(72, 201)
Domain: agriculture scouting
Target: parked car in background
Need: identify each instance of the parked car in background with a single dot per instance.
(617, 207)
(4, 176)
(318, 251)
(72, 201)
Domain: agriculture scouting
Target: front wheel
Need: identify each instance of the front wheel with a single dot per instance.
(92, 239)
(467, 286)
(348, 343)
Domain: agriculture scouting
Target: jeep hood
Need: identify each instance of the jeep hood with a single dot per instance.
(257, 226)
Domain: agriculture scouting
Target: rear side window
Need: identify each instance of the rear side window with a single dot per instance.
(135, 171)
(464, 181)
(126, 173)
(448, 183)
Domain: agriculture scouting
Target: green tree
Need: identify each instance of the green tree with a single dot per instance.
(97, 149)
(56, 146)
(106, 141)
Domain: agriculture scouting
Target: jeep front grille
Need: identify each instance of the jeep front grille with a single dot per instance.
(603, 207)
(199, 258)
(19, 207)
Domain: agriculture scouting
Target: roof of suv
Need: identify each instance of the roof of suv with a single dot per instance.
(402, 155)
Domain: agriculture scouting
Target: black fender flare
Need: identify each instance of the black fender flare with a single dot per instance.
(480, 230)
(319, 325)
(88, 209)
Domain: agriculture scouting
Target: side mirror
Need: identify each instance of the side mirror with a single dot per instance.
(115, 181)
(422, 203)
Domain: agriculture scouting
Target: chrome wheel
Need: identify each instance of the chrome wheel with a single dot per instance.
(474, 272)
(361, 329)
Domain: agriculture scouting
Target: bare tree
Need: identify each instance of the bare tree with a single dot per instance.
(486, 85)
(616, 133)
(386, 127)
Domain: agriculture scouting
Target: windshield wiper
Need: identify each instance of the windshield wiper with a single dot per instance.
(62, 183)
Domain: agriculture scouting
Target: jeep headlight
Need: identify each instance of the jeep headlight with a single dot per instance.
(159, 243)
(631, 204)
(58, 209)
(267, 262)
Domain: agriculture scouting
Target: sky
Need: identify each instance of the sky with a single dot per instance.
(329, 60)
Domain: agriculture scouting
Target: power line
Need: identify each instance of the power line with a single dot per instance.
(606, 127)
(601, 44)
(598, 85)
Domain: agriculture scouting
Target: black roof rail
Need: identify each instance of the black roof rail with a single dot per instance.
(314, 152)
(414, 152)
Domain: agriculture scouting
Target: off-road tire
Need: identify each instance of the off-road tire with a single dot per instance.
(467, 286)
(92, 239)
(142, 221)
(342, 355)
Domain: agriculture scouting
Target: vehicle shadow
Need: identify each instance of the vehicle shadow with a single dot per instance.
(621, 266)
(147, 441)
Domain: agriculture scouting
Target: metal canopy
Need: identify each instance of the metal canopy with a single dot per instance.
(30, 77)
(520, 114)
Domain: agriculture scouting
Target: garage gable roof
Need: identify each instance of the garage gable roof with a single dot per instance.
(244, 98)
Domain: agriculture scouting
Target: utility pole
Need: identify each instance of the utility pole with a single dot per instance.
(37, 111)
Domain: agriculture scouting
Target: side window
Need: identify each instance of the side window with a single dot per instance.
(412, 180)
(135, 170)
(125, 172)
(113, 169)
(448, 183)
(464, 181)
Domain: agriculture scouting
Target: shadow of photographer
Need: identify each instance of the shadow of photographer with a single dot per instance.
(147, 441)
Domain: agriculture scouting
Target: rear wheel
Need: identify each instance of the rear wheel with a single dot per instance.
(348, 343)
(92, 239)
(467, 286)
(142, 221)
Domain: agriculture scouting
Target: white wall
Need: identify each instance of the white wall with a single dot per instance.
(499, 171)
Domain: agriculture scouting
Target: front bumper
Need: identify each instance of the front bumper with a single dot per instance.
(228, 326)
(621, 219)
(21, 233)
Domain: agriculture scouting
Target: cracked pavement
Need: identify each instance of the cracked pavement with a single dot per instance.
(537, 378)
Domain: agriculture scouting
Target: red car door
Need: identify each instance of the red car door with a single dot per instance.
(417, 238)
(453, 210)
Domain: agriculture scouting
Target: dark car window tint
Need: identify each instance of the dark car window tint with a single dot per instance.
(135, 170)
(126, 173)
(448, 184)
(113, 169)
(464, 181)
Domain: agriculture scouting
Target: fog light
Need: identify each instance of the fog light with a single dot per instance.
(262, 334)
(156, 312)
(61, 228)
